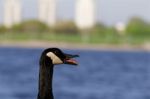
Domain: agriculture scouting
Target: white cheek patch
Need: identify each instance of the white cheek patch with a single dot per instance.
(55, 59)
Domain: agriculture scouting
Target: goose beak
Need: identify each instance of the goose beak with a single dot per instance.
(69, 59)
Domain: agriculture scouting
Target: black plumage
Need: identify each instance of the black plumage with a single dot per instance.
(46, 70)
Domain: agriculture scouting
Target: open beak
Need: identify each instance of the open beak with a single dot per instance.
(69, 59)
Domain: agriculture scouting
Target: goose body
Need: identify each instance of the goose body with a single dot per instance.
(49, 58)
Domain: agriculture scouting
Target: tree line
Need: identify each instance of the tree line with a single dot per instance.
(135, 26)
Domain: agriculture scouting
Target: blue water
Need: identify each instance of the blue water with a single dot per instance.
(100, 75)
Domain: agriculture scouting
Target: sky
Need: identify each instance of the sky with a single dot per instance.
(108, 12)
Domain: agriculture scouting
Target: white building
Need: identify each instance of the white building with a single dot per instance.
(85, 13)
(47, 11)
(12, 12)
(120, 27)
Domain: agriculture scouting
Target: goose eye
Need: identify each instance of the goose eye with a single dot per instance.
(55, 52)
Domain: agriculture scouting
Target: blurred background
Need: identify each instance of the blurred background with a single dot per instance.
(77, 21)
(112, 38)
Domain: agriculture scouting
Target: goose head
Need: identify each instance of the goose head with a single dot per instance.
(58, 57)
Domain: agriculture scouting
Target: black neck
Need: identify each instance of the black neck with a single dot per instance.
(45, 79)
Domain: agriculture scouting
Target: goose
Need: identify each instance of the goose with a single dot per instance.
(49, 58)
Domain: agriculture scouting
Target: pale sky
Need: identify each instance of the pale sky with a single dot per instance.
(108, 11)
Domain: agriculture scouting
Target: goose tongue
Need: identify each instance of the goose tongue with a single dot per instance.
(69, 59)
(71, 62)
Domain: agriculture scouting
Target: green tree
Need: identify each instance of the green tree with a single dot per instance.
(66, 27)
(30, 26)
(138, 26)
(100, 29)
(3, 29)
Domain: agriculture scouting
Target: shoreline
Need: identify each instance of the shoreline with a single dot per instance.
(78, 46)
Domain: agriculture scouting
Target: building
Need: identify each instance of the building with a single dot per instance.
(12, 12)
(47, 11)
(120, 27)
(85, 13)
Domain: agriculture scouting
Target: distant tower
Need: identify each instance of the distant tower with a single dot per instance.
(12, 12)
(47, 11)
(85, 13)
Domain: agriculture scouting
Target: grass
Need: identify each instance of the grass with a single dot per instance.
(39, 36)
(76, 38)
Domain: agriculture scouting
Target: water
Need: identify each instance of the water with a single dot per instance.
(100, 75)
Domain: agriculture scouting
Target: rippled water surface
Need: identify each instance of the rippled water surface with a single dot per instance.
(100, 75)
